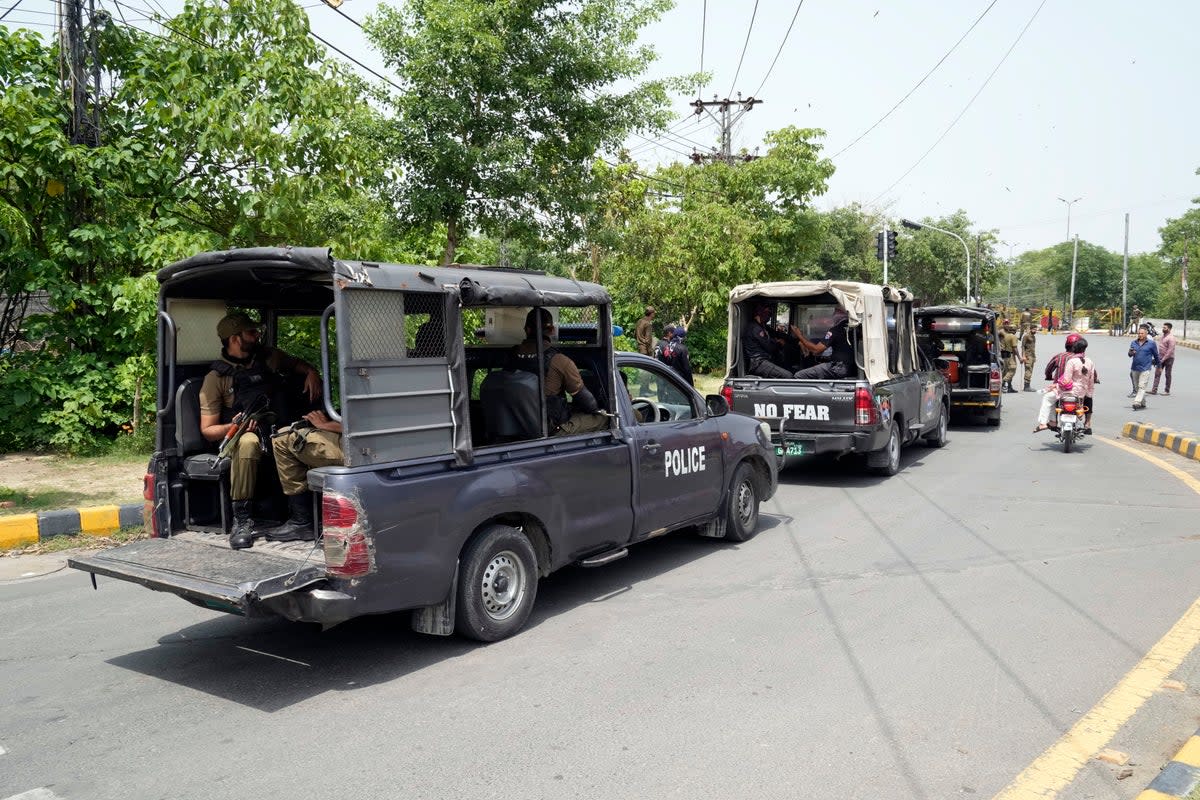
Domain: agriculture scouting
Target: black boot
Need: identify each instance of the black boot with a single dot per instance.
(243, 526)
(299, 526)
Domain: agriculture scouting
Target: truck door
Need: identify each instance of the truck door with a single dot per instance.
(677, 451)
(905, 388)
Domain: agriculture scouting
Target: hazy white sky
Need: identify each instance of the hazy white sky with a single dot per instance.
(1094, 101)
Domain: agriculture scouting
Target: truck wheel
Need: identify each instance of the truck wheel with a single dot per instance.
(741, 521)
(497, 584)
(887, 460)
(994, 416)
(940, 435)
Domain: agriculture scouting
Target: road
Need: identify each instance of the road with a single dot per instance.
(924, 636)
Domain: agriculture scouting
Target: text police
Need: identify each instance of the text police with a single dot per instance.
(683, 461)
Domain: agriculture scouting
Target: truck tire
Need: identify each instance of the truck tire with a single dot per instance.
(741, 517)
(497, 584)
(940, 434)
(993, 417)
(886, 461)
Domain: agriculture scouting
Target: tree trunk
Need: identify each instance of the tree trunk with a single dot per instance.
(595, 263)
(137, 405)
(451, 241)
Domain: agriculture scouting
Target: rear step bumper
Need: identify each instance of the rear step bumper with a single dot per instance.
(236, 581)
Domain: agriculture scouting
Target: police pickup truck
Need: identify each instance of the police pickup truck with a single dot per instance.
(833, 367)
(459, 488)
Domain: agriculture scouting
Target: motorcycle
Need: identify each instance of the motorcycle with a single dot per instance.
(1070, 413)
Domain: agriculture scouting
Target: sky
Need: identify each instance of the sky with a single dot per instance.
(1091, 101)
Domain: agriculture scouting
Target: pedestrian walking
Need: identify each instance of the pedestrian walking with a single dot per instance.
(1008, 351)
(1143, 354)
(1028, 354)
(644, 332)
(1166, 355)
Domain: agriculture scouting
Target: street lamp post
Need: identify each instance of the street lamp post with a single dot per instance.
(1011, 245)
(908, 223)
(1074, 261)
(1069, 204)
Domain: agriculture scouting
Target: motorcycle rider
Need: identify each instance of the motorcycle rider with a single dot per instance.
(1054, 367)
(1077, 377)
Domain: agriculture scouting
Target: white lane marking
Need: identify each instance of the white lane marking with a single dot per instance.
(2, 750)
(272, 655)
(35, 794)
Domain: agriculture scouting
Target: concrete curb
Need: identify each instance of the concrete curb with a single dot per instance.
(1180, 777)
(1185, 444)
(24, 529)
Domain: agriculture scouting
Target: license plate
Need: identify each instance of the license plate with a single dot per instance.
(793, 449)
(1067, 424)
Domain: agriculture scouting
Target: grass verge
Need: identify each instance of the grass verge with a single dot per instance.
(56, 544)
(28, 501)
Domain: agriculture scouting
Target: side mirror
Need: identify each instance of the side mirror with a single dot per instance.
(716, 405)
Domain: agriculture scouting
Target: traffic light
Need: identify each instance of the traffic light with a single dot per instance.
(879, 245)
(891, 244)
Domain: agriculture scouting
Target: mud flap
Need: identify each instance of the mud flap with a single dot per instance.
(234, 581)
(438, 620)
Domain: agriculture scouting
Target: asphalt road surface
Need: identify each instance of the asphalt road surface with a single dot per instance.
(923, 636)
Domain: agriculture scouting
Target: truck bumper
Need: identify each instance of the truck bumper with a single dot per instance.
(801, 445)
(973, 401)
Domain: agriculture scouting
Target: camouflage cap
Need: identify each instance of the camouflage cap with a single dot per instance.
(235, 323)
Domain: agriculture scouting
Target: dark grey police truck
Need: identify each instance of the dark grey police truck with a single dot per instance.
(457, 492)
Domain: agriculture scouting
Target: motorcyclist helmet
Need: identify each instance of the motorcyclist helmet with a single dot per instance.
(1079, 345)
(1072, 338)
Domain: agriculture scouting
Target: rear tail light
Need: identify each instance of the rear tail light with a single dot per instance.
(865, 410)
(149, 518)
(994, 381)
(1069, 407)
(348, 547)
(727, 393)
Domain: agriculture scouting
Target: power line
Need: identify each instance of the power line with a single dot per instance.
(918, 85)
(954, 122)
(771, 68)
(703, 36)
(347, 56)
(753, 14)
(14, 5)
(347, 16)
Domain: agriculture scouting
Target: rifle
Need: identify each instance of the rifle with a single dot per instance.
(258, 409)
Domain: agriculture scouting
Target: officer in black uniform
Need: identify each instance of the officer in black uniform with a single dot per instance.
(760, 349)
(842, 361)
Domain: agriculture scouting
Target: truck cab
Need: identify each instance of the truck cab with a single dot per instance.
(458, 488)
(886, 395)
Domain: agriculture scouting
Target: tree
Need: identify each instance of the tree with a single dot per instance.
(934, 266)
(847, 249)
(504, 105)
(707, 228)
(227, 130)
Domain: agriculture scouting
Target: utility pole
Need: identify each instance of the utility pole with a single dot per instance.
(727, 120)
(1074, 261)
(1125, 274)
(84, 125)
(1183, 282)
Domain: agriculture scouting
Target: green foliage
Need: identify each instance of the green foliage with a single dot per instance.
(714, 226)
(505, 104)
(933, 265)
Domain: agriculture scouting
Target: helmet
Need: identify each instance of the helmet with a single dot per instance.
(1072, 338)
(1080, 345)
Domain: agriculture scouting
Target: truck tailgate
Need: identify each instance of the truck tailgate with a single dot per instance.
(217, 577)
(812, 406)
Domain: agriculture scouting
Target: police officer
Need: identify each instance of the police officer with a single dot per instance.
(644, 332)
(1028, 354)
(682, 361)
(1027, 318)
(560, 378)
(842, 361)
(316, 441)
(1008, 351)
(245, 372)
(760, 349)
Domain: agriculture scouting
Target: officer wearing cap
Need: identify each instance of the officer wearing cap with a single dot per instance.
(1008, 351)
(560, 377)
(245, 372)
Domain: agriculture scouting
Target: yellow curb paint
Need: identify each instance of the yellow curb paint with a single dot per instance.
(1169, 441)
(18, 530)
(99, 520)
(1151, 794)
(1190, 753)
(1057, 767)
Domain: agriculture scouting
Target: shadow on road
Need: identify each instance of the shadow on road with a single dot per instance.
(271, 664)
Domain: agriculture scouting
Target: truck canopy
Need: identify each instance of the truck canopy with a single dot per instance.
(864, 304)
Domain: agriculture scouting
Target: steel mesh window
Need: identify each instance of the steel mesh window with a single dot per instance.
(424, 325)
(389, 326)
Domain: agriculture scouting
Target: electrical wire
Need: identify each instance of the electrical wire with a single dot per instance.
(771, 68)
(745, 45)
(14, 5)
(918, 84)
(349, 57)
(347, 16)
(954, 122)
(703, 36)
